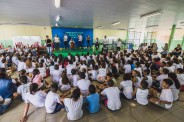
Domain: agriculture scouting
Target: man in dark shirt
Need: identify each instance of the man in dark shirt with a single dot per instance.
(48, 45)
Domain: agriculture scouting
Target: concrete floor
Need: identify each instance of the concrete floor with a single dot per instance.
(127, 113)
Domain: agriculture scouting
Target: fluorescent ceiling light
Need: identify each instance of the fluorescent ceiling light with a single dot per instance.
(100, 27)
(151, 26)
(56, 24)
(116, 23)
(58, 18)
(57, 3)
(155, 13)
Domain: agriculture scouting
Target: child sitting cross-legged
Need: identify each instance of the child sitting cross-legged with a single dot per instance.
(92, 100)
(165, 99)
(111, 96)
(141, 93)
(53, 103)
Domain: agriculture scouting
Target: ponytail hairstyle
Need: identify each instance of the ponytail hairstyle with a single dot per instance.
(35, 72)
(174, 78)
(76, 94)
(33, 88)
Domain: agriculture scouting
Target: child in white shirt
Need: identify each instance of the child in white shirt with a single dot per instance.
(83, 84)
(127, 68)
(147, 77)
(42, 70)
(102, 73)
(53, 102)
(126, 86)
(94, 73)
(23, 88)
(55, 74)
(64, 82)
(69, 67)
(51, 68)
(142, 93)
(113, 96)
(165, 99)
(74, 77)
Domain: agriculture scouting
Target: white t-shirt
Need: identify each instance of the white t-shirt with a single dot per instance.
(74, 80)
(175, 92)
(65, 38)
(69, 68)
(113, 96)
(83, 84)
(127, 68)
(83, 67)
(162, 77)
(23, 89)
(42, 71)
(139, 70)
(38, 99)
(21, 65)
(74, 108)
(171, 68)
(119, 44)
(150, 81)
(166, 95)
(64, 87)
(51, 101)
(56, 39)
(102, 72)
(80, 38)
(142, 96)
(56, 75)
(127, 88)
(180, 78)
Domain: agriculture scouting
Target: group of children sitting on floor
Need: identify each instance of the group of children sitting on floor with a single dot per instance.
(147, 77)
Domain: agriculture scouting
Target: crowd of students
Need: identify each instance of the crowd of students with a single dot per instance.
(88, 81)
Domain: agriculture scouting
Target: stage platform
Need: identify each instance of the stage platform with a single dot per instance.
(65, 52)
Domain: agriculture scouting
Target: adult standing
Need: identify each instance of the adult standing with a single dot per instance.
(165, 49)
(48, 45)
(88, 41)
(65, 39)
(80, 38)
(97, 44)
(56, 42)
(105, 40)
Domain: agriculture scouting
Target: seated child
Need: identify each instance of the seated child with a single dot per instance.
(23, 88)
(34, 96)
(93, 100)
(52, 102)
(37, 78)
(64, 82)
(55, 74)
(142, 93)
(147, 77)
(113, 96)
(127, 86)
(136, 78)
(74, 105)
(102, 73)
(83, 84)
(74, 77)
(94, 73)
(42, 70)
(51, 67)
(180, 76)
(165, 99)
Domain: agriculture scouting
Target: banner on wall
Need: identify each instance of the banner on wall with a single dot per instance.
(73, 33)
(26, 40)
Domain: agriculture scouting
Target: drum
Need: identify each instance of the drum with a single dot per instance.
(72, 45)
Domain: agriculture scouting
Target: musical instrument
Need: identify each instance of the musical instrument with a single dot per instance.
(72, 45)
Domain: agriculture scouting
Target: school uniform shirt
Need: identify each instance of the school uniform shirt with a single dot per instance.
(83, 67)
(113, 98)
(37, 99)
(64, 87)
(42, 71)
(142, 96)
(175, 92)
(166, 95)
(102, 72)
(162, 77)
(69, 68)
(139, 70)
(127, 68)
(56, 75)
(74, 108)
(74, 79)
(171, 68)
(83, 84)
(150, 81)
(21, 65)
(51, 101)
(137, 84)
(93, 103)
(94, 74)
(15, 60)
(23, 89)
(127, 88)
(180, 78)
(51, 68)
